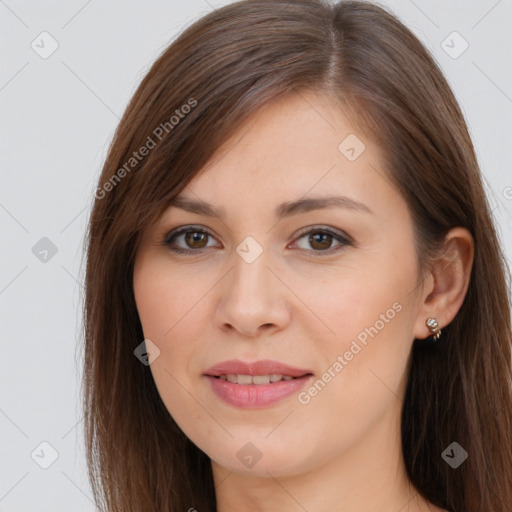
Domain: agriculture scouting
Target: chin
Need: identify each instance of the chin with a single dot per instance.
(265, 462)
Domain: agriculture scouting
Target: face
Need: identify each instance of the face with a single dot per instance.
(327, 291)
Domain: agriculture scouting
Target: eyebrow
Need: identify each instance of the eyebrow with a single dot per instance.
(286, 209)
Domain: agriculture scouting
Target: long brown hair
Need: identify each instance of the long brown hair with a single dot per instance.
(199, 91)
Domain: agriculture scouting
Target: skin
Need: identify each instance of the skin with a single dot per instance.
(296, 304)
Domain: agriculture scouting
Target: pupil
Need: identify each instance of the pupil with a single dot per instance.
(325, 236)
(195, 236)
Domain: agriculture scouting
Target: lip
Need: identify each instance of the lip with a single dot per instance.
(252, 396)
(261, 367)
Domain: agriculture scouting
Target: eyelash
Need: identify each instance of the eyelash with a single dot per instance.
(343, 239)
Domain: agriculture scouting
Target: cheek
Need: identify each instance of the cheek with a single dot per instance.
(370, 321)
(364, 365)
(172, 310)
(169, 305)
(357, 302)
(167, 301)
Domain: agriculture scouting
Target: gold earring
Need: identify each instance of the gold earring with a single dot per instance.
(433, 327)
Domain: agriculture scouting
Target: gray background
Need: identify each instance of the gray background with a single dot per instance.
(58, 117)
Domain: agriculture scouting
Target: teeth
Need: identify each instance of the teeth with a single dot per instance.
(244, 379)
(261, 379)
(254, 379)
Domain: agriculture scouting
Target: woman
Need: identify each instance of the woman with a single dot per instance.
(295, 295)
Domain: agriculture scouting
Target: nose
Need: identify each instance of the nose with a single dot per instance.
(253, 299)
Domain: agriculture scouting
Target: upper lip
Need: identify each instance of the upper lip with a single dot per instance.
(261, 367)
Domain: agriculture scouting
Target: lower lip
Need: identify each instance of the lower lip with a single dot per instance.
(251, 396)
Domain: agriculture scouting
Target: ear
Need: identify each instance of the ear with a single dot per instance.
(447, 283)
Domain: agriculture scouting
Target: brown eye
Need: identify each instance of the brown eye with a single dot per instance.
(321, 240)
(195, 239)
(191, 240)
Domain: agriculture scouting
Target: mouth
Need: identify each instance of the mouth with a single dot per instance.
(258, 380)
(263, 371)
(255, 385)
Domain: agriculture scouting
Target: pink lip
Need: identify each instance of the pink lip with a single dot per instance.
(262, 367)
(251, 396)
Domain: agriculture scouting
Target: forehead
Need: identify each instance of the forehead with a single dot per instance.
(299, 128)
(300, 145)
